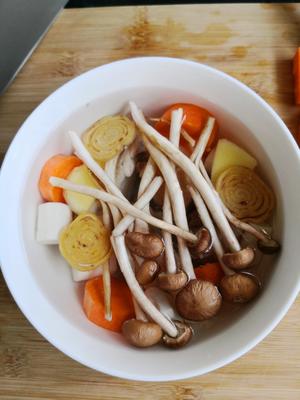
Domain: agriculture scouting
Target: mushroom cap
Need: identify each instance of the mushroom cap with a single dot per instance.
(240, 259)
(141, 333)
(185, 333)
(147, 272)
(145, 245)
(172, 282)
(269, 246)
(198, 300)
(203, 246)
(239, 288)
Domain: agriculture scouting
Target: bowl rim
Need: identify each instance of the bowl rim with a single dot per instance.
(34, 321)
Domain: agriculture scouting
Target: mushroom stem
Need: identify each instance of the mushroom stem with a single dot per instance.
(169, 249)
(235, 287)
(147, 306)
(191, 171)
(141, 203)
(106, 216)
(174, 137)
(203, 139)
(105, 267)
(107, 291)
(139, 313)
(147, 177)
(124, 206)
(207, 221)
(183, 132)
(177, 202)
(110, 169)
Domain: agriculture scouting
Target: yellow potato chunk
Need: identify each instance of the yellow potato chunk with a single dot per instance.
(81, 203)
(227, 155)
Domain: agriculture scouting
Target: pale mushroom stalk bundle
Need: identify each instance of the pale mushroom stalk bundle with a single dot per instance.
(192, 172)
(147, 306)
(139, 331)
(173, 280)
(196, 157)
(238, 259)
(235, 287)
(124, 206)
(177, 202)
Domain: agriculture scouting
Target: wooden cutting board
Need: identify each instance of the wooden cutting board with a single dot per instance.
(254, 43)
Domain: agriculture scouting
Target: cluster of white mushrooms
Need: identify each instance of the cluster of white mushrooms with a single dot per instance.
(165, 299)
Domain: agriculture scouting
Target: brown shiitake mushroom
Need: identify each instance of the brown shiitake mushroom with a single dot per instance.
(239, 288)
(203, 247)
(198, 300)
(172, 282)
(145, 245)
(185, 333)
(240, 259)
(147, 272)
(141, 333)
(268, 246)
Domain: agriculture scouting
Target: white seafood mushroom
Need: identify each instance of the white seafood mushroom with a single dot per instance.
(138, 293)
(234, 286)
(191, 171)
(184, 331)
(124, 206)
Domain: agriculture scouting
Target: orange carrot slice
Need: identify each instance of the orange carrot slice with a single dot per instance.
(195, 120)
(60, 166)
(211, 272)
(121, 303)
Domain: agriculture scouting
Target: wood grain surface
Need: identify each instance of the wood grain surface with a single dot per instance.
(254, 43)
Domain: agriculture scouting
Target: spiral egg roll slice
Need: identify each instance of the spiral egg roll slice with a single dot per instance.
(245, 194)
(108, 136)
(85, 242)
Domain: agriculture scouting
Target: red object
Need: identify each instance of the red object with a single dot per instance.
(121, 303)
(194, 122)
(211, 272)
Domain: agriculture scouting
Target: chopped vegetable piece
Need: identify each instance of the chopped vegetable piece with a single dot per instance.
(121, 303)
(60, 166)
(85, 243)
(195, 118)
(227, 155)
(51, 219)
(81, 203)
(211, 272)
(108, 136)
(296, 71)
(245, 194)
(79, 276)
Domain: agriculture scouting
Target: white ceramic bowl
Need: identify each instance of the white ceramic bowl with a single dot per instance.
(37, 275)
